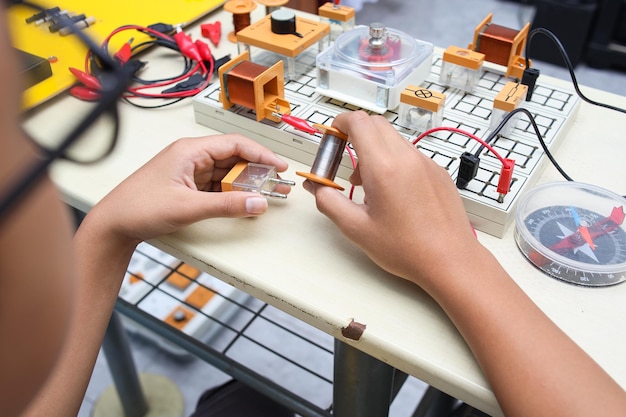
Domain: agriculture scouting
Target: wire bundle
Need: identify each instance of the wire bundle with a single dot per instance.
(198, 65)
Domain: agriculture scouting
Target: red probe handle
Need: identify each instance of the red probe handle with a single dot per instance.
(187, 47)
(86, 79)
(298, 123)
(506, 174)
(84, 93)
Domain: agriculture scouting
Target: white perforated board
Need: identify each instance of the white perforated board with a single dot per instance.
(552, 107)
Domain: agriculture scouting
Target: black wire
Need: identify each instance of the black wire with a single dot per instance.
(504, 121)
(568, 63)
(159, 40)
(156, 106)
(188, 64)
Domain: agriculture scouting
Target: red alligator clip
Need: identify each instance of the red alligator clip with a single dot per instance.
(86, 79)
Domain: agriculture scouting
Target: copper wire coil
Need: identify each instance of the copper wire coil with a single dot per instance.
(241, 21)
(239, 86)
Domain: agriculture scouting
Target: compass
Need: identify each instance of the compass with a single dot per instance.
(574, 232)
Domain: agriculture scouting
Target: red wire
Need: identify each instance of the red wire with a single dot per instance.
(353, 159)
(137, 91)
(178, 94)
(462, 132)
(168, 82)
(107, 39)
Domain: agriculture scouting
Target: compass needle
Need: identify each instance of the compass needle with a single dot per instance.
(560, 230)
(584, 232)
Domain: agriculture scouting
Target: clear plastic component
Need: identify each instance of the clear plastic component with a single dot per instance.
(418, 118)
(496, 118)
(258, 178)
(458, 76)
(369, 66)
(574, 232)
(420, 108)
(337, 28)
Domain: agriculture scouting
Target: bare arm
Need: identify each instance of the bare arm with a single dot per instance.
(165, 195)
(532, 366)
(35, 260)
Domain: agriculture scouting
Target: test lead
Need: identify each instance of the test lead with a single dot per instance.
(258, 178)
(468, 168)
(296, 122)
(506, 175)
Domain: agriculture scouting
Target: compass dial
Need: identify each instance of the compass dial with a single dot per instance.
(574, 232)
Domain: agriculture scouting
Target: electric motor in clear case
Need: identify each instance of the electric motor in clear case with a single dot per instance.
(370, 66)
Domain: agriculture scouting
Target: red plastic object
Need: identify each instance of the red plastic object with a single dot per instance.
(124, 54)
(88, 80)
(84, 93)
(504, 183)
(298, 123)
(212, 31)
(186, 46)
(203, 48)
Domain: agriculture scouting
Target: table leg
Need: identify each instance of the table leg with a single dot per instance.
(120, 360)
(435, 403)
(363, 386)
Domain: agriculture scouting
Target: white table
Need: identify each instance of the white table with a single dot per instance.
(296, 260)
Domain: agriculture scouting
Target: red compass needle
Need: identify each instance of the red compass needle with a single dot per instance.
(589, 234)
(582, 230)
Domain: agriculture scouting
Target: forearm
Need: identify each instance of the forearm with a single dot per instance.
(532, 366)
(101, 258)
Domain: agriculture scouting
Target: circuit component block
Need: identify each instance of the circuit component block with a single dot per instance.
(461, 68)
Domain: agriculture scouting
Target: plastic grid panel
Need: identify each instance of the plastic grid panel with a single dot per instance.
(552, 107)
(260, 337)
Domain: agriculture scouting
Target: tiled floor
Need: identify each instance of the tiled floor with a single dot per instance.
(429, 20)
(262, 338)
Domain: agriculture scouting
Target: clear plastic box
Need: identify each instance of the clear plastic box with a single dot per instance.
(420, 109)
(461, 68)
(370, 66)
(340, 18)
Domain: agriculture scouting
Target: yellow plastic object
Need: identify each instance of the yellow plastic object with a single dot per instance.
(501, 45)
(257, 178)
(510, 97)
(233, 174)
(69, 51)
(179, 317)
